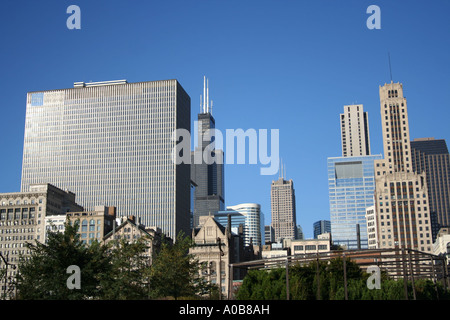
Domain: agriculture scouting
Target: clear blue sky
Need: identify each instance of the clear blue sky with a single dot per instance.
(285, 64)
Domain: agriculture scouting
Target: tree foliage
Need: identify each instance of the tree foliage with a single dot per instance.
(320, 280)
(117, 270)
(43, 275)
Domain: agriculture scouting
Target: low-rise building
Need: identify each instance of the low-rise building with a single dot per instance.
(308, 246)
(442, 244)
(94, 224)
(131, 230)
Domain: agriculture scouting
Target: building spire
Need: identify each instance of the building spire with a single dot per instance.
(207, 108)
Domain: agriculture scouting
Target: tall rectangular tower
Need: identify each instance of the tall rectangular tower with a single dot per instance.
(431, 156)
(401, 195)
(111, 144)
(284, 221)
(209, 193)
(355, 131)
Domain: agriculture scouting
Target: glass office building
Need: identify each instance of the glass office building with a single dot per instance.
(111, 144)
(351, 184)
(250, 216)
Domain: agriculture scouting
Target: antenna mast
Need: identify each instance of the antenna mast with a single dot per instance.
(390, 70)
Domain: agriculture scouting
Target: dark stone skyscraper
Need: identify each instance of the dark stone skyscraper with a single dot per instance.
(431, 156)
(208, 177)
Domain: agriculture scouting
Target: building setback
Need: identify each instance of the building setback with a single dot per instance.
(111, 144)
(401, 196)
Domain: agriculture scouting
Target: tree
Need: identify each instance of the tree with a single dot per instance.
(43, 274)
(129, 272)
(175, 272)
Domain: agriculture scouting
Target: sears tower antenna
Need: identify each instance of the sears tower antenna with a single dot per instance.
(206, 104)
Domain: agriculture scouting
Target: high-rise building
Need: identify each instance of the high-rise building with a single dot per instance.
(253, 221)
(22, 220)
(431, 156)
(401, 197)
(321, 226)
(355, 131)
(351, 181)
(284, 220)
(111, 144)
(209, 192)
(351, 185)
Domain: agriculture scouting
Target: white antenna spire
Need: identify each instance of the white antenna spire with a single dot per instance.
(201, 103)
(204, 93)
(207, 95)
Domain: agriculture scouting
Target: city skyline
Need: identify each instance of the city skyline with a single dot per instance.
(269, 64)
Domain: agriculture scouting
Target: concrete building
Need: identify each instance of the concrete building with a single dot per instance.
(284, 219)
(372, 232)
(214, 250)
(269, 235)
(442, 244)
(55, 223)
(111, 143)
(401, 197)
(209, 193)
(22, 220)
(355, 131)
(216, 247)
(131, 230)
(309, 246)
(94, 225)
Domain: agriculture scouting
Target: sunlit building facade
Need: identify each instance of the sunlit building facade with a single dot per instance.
(351, 186)
(111, 144)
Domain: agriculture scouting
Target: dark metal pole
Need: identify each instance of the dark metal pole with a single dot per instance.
(345, 278)
(405, 276)
(230, 283)
(287, 278)
(434, 277)
(318, 279)
(412, 275)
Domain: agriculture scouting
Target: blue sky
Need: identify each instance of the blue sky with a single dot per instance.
(287, 65)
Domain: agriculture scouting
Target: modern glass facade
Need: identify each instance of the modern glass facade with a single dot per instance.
(250, 216)
(351, 185)
(320, 227)
(111, 144)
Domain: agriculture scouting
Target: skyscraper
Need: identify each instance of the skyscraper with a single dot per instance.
(431, 156)
(401, 197)
(321, 226)
(254, 222)
(284, 220)
(111, 144)
(355, 131)
(209, 177)
(351, 185)
(351, 181)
